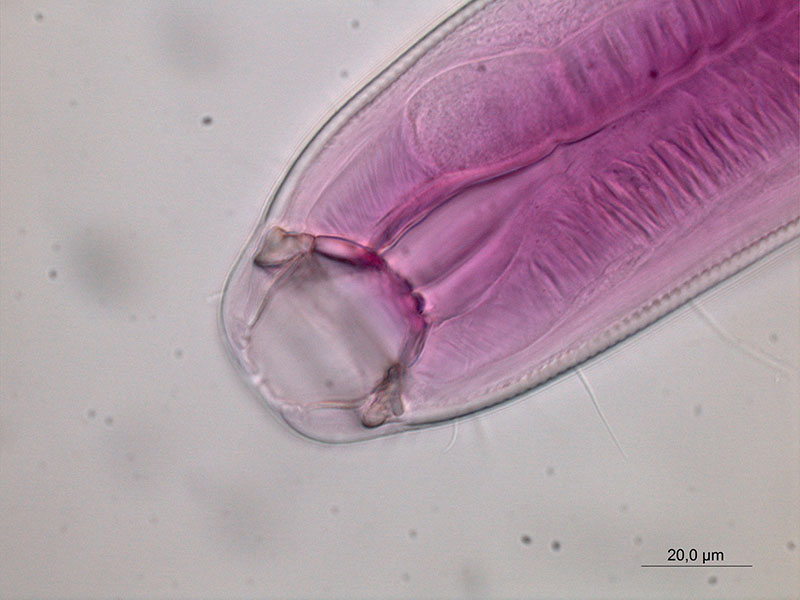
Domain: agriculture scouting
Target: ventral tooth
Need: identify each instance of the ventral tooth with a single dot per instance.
(280, 246)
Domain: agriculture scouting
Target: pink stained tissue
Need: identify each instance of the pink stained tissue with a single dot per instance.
(520, 190)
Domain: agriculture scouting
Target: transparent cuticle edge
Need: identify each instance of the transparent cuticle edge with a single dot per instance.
(351, 105)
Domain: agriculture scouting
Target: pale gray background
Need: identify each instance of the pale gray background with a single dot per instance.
(133, 460)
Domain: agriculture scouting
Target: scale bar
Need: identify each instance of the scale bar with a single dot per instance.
(707, 566)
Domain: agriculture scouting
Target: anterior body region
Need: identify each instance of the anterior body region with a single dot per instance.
(511, 197)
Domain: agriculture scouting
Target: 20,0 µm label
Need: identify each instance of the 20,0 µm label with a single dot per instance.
(692, 557)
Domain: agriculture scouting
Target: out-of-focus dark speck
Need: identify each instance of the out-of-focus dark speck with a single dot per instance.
(91, 413)
(334, 510)
(178, 353)
(344, 74)
(405, 577)
(109, 421)
(698, 410)
(207, 120)
(412, 534)
(525, 539)
(550, 471)
(355, 24)
(190, 38)
(712, 580)
(637, 540)
(104, 266)
(555, 545)
(790, 545)
(38, 17)
(52, 273)
(773, 337)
